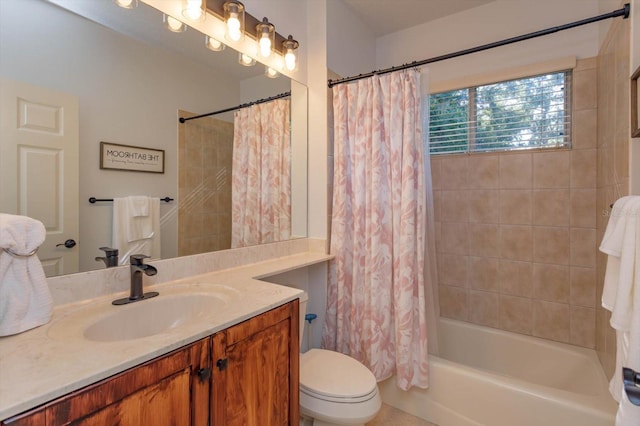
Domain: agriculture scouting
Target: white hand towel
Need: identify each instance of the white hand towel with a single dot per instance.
(136, 234)
(138, 205)
(621, 295)
(25, 298)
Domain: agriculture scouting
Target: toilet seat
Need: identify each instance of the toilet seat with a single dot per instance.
(335, 377)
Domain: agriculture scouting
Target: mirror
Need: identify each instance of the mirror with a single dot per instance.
(132, 78)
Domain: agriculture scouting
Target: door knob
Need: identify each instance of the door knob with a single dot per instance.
(68, 244)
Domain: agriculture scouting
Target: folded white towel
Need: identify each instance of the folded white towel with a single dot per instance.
(138, 205)
(621, 295)
(134, 233)
(25, 298)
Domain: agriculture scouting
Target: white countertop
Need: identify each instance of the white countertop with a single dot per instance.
(47, 362)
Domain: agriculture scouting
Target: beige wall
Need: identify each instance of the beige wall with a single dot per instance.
(205, 150)
(516, 232)
(613, 159)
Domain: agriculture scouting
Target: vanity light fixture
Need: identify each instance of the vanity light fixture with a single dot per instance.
(234, 19)
(270, 72)
(266, 35)
(194, 9)
(172, 24)
(126, 4)
(290, 47)
(213, 44)
(246, 60)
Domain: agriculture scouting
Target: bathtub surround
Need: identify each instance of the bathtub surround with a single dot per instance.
(376, 297)
(516, 236)
(613, 169)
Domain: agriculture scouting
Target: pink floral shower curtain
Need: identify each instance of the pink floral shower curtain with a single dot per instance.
(261, 174)
(376, 301)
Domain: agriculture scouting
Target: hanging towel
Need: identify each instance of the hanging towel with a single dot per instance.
(136, 227)
(25, 298)
(621, 296)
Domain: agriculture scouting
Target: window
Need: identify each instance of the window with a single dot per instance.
(532, 112)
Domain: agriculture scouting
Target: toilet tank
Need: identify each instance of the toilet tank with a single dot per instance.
(303, 311)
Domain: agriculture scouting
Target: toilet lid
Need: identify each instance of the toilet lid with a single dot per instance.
(333, 374)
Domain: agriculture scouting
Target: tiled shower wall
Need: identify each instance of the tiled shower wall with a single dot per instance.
(205, 149)
(613, 159)
(516, 232)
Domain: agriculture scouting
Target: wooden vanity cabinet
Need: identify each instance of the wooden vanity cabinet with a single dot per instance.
(171, 390)
(256, 371)
(245, 375)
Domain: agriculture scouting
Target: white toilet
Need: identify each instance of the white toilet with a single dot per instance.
(335, 389)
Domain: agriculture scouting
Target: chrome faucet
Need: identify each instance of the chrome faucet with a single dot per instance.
(137, 268)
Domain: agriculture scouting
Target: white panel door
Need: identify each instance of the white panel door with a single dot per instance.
(39, 166)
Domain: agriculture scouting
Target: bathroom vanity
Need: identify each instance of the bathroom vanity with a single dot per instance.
(244, 375)
(230, 358)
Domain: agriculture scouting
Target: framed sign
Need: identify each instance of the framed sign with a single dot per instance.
(635, 108)
(131, 158)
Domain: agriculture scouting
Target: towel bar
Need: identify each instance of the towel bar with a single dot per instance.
(13, 253)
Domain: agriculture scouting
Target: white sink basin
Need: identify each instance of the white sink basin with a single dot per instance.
(107, 323)
(152, 316)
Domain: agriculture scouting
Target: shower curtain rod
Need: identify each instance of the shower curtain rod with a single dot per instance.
(624, 12)
(248, 104)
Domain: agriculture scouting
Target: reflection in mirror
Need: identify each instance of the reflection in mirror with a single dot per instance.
(130, 79)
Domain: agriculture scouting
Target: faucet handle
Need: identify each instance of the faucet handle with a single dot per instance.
(137, 259)
(109, 251)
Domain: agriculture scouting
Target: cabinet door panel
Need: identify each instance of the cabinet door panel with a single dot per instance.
(165, 403)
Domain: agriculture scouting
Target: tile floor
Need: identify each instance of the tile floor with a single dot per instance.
(390, 416)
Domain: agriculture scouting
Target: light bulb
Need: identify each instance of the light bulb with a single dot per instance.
(233, 25)
(290, 61)
(246, 60)
(270, 72)
(173, 24)
(265, 45)
(127, 4)
(213, 44)
(193, 10)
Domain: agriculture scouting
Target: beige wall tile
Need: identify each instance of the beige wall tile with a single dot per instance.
(436, 172)
(551, 282)
(515, 278)
(484, 206)
(551, 245)
(583, 247)
(453, 172)
(483, 240)
(483, 308)
(551, 169)
(583, 327)
(454, 238)
(515, 206)
(585, 129)
(437, 206)
(515, 314)
(515, 171)
(583, 208)
(583, 287)
(551, 207)
(583, 168)
(484, 171)
(516, 242)
(584, 89)
(453, 270)
(454, 206)
(453, 302)
(483, 273)
(551, 321)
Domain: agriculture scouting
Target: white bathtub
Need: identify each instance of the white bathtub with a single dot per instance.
(490, 377)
